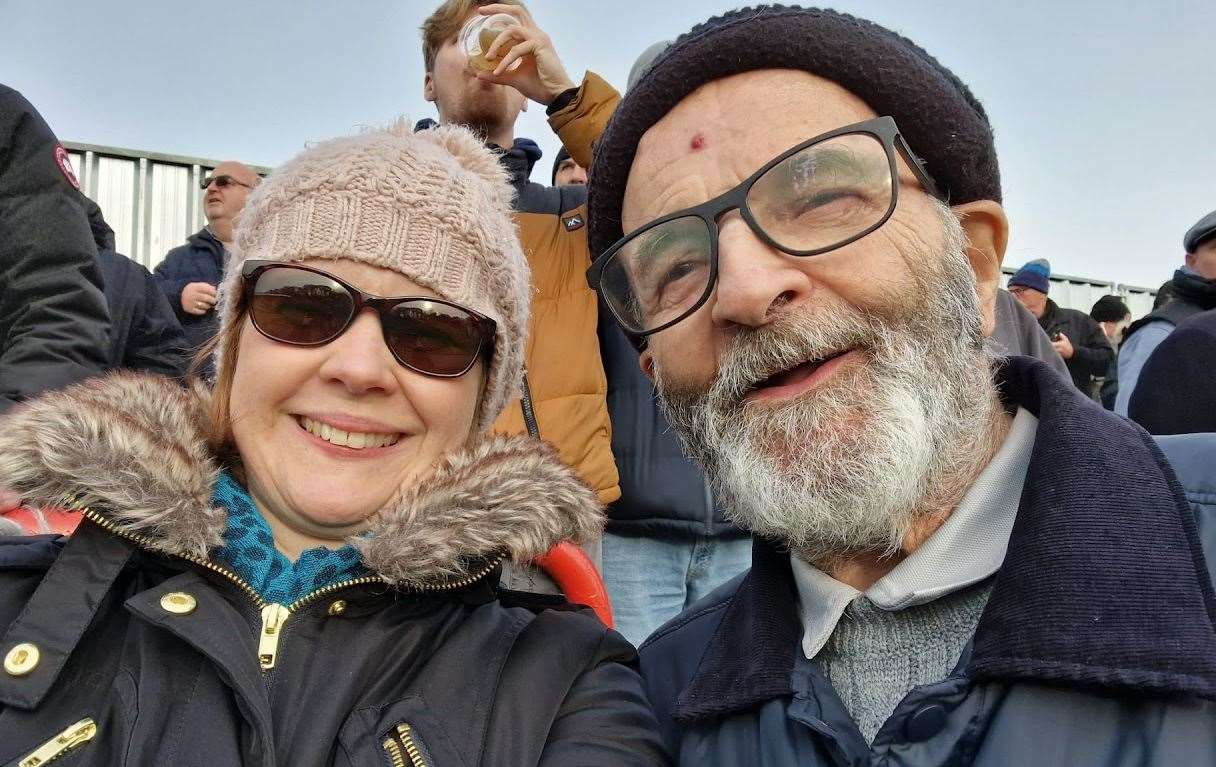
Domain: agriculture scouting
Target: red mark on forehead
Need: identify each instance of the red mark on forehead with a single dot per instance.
(697, 143)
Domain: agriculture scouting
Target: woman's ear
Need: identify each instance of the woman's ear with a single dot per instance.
(987, 232)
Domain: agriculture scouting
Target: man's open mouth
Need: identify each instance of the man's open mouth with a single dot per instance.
(796, 375)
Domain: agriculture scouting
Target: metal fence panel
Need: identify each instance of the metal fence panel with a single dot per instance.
(151, 200)
(1080, 293)
(169, 209)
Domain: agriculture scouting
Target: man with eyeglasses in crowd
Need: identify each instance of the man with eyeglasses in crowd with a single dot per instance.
(190, 273)
(796, 215)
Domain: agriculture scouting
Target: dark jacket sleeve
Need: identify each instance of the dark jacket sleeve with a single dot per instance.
(173, 275)
(54, 325)
(1176, 392)
(1092, 350)
(605, 718)
(156, 343)
(572, 695)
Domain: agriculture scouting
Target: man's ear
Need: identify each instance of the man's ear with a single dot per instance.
(987, 232)
(1189, 260)
(428, 87)
(646, 363)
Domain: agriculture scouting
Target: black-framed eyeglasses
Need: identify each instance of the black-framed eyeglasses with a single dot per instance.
(223, 180)
(820, 195)
(303, 306)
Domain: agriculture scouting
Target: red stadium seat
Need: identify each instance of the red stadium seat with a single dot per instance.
(45, 520)
(575, 574)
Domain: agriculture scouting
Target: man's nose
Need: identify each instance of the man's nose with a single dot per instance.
(754, 279)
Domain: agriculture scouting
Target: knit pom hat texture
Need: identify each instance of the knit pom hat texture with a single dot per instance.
(434, 206)
(939, 117)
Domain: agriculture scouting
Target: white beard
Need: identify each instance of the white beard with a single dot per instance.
(848, 466)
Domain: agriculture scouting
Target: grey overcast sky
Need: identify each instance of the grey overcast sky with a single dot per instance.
(1104, 112)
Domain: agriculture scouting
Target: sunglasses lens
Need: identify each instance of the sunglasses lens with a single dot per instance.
(296, 306)
(432, 337)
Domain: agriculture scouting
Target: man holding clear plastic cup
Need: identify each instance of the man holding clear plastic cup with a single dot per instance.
(563, 400)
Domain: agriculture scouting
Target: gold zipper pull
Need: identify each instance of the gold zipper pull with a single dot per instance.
(274, 616)
(76, 735)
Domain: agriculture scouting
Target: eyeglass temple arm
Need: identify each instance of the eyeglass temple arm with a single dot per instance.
(918, 169)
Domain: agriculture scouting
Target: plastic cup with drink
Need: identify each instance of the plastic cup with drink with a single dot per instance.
(477, 37)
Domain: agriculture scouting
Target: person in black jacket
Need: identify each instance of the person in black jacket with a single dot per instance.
(1191, 291)
(53, 319)
(1176, 393)
(301, 566)
(1074, 334)
(144, 334)
(958, 559)
(190, 273)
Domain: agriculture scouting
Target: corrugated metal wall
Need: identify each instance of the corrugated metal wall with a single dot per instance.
(151, 200)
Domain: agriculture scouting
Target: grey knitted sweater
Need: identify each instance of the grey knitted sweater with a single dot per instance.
(874, 657)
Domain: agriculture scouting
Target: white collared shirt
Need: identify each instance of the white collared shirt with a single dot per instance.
(968, 547)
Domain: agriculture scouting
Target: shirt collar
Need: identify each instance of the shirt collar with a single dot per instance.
(968, 547)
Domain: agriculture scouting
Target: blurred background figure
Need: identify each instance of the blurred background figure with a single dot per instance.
(1016, 332)
(1176, 393)
(1113, 316)
(1079, 340)
(1191, 291)
(567, 171)
(190, 273)
(53, 320)
(144, 332)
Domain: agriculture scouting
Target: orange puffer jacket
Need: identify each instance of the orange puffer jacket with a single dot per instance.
(566, 393)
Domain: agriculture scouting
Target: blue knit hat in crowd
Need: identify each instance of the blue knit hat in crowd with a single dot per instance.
(1034, 275)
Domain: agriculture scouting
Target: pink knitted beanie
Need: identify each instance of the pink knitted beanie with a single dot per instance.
(434, 206)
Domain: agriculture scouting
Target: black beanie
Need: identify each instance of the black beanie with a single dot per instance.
(943, 123)
(562, 154)
(1109, 309)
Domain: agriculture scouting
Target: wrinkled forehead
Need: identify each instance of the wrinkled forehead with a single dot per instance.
(727, 129)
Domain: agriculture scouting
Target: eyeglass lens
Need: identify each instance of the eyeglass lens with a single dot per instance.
(813, 200)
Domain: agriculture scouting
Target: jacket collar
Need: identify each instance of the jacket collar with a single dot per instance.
(1191, 287)
(131, 447)
(1104, 542)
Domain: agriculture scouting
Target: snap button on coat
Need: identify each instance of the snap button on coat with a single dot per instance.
(22, 659)
(178, 603)
(925, 722)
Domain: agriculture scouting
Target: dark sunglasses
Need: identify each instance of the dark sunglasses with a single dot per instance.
(303, 306)
(221, 181)
(820, 195)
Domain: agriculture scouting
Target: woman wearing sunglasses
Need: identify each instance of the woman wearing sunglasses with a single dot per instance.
(300, 567)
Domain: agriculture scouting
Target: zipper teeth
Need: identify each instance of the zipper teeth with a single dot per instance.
(407, 739)
(110, 527)
(394, 752)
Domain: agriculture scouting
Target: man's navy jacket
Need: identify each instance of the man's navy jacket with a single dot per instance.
(1097, 645)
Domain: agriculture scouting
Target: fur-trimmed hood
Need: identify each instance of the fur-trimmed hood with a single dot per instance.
(132, 448)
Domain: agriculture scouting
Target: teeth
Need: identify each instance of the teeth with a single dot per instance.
(357, 440)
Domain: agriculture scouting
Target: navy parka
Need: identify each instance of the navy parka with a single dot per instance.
(1097, 645)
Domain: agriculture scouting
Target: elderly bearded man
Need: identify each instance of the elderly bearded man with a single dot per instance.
(957, 560)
